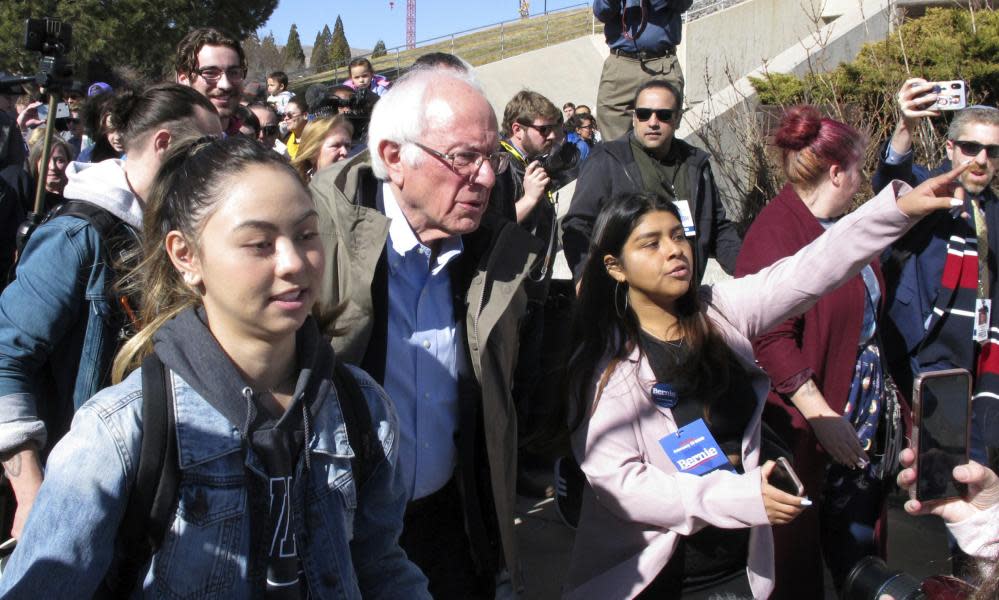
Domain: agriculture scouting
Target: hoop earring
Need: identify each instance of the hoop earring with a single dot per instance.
(617, 308)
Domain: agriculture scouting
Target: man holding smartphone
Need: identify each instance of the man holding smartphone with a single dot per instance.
(942, 283)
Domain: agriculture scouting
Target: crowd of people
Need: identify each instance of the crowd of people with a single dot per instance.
(292, 345)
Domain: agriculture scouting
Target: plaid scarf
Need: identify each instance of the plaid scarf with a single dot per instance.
(950, 326)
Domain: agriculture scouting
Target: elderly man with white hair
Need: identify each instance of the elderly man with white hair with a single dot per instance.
(430, 286)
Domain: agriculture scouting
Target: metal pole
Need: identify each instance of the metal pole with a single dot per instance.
(452, 43)
(43, 167)
(502, 40)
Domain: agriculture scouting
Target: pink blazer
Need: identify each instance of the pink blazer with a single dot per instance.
(638, 505)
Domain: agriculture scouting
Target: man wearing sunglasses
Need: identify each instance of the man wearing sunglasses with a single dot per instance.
(941, 275)
(432, 289)
(214, 64)
(269, 127)
(651, 159)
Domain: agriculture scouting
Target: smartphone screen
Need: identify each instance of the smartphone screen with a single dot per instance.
(944, 405)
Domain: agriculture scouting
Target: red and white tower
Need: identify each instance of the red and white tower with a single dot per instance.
(410, 24)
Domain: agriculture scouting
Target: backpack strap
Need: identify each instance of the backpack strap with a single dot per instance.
(368, 451)
(101, 219)
(153, 496)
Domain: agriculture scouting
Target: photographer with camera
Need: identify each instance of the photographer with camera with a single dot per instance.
(932, 315)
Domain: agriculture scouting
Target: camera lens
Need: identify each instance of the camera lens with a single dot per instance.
(955, 86)
(936, 89)
(871, 578)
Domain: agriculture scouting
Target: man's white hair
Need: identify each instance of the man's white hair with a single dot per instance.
(403, 114)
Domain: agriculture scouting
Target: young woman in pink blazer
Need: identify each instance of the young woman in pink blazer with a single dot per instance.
(652, 356)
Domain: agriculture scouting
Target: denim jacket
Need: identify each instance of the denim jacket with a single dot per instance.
(58, 332)
(57, 338)
(347, 540)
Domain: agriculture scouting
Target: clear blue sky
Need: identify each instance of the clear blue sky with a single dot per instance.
(367, 21)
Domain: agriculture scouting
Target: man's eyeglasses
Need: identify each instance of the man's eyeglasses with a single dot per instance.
(544, 130)
(213, 74)
(468, 162)
(644, 114)
(969, 148)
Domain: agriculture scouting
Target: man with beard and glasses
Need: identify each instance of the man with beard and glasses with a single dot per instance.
(214, 64)
(935, 286)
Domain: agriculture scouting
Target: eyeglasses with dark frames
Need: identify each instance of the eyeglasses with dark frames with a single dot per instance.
(969, 148)
(644, 114)
(214, 74)
(468, 162)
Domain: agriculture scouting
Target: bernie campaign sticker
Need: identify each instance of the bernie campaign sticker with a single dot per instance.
(664, 395)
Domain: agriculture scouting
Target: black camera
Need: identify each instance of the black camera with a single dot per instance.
(871, 578)
(53, 40)
(561, 158)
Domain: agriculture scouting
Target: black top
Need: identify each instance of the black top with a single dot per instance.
(711, 555)
(278, 442)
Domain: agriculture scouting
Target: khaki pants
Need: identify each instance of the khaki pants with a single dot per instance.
(619, 80)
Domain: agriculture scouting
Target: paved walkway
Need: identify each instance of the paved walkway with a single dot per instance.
(915, 545)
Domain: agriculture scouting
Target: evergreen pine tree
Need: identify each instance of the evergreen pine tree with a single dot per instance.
(379, 49)
(294, 56)
(339, 48)
(271, 57)
(319, 60)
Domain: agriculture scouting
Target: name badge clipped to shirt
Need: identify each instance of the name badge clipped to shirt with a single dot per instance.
(686, 217)
(983, 316)
(692, 449)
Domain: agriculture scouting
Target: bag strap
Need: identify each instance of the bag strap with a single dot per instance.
(153, 495)
(368, 451)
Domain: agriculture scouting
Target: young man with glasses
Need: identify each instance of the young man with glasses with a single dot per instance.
(651, 159)
(431, 285)
(214, 64)
(932, 319)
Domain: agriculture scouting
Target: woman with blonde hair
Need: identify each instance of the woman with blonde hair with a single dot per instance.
(60, 155)
(324, 142)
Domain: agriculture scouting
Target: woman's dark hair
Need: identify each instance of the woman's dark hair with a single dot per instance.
(247, 118)
(93, 113)
(135, 113)
(605, 328)
(194, 176)
(358, 62)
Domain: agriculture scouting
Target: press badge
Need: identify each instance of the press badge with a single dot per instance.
(686, 217)
(692, 449)
(983, 316)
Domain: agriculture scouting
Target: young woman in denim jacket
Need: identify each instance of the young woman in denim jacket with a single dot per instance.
(267, 505)
(646, 529)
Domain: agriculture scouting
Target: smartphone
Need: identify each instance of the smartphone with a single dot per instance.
(785, 479)
(941, 403)
(951, 95)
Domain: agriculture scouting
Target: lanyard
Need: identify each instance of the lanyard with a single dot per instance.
(982, 233)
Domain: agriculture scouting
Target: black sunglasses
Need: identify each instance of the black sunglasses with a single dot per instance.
(973, 148)
(663, 114)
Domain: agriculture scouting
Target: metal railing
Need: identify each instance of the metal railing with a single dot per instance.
(496, 41)
(477, 45)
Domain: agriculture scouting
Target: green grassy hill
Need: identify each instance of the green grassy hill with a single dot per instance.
(480, 46)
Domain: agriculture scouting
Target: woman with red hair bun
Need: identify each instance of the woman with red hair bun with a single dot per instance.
(829, 400)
